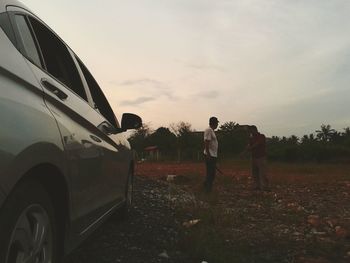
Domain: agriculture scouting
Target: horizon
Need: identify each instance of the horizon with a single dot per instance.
(153, 129)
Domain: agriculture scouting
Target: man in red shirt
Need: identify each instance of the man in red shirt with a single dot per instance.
(257, 146)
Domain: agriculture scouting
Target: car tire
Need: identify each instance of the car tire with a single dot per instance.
(129, 192)
(27, 226)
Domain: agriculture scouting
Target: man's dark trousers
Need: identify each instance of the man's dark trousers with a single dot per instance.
(211, 169)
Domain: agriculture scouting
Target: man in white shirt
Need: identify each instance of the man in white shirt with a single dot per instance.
(210, 152)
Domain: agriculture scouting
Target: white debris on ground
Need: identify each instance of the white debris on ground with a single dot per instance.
(170, 177)
(191, 223)
(164, 254)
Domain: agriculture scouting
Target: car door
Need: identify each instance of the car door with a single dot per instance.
(69, 102)
(117, 156)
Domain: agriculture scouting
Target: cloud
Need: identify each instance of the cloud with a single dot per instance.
(203, 66)
(137, 101)
(210, 94)
(305, 115)
(135, 82)
(154, 87)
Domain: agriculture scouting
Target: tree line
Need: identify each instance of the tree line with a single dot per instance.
(181, 142)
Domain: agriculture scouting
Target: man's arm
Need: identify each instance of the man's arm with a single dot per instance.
(246, 149)
(251, 146)
(206, 147)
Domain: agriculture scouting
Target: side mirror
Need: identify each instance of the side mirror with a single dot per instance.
(130, 121)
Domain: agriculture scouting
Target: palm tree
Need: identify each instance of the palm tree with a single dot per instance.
(293, 140)
(326, 133)
(346, 132)
(229, 126)
(308, 138)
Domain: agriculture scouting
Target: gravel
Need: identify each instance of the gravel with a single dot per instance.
(148, 235)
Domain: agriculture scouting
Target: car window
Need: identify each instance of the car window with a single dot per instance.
(26, 38)
(100, 101)
(58, 61)
(5, 24)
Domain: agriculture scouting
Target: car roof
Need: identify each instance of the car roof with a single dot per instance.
(5, 3)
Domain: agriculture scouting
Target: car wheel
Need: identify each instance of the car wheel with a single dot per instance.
(27, 227)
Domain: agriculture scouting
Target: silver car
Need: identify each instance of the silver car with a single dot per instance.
(65, 163)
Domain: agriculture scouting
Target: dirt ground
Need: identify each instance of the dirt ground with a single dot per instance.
(304, 219)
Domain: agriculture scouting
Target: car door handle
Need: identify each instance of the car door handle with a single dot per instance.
(52, 88)
(96, 139)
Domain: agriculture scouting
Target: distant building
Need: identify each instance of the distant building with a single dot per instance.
(151, 152)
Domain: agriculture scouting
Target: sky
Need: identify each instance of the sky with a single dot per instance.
(279, 64)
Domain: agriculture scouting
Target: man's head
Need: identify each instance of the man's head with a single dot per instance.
(213, 122)
(253, 130)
